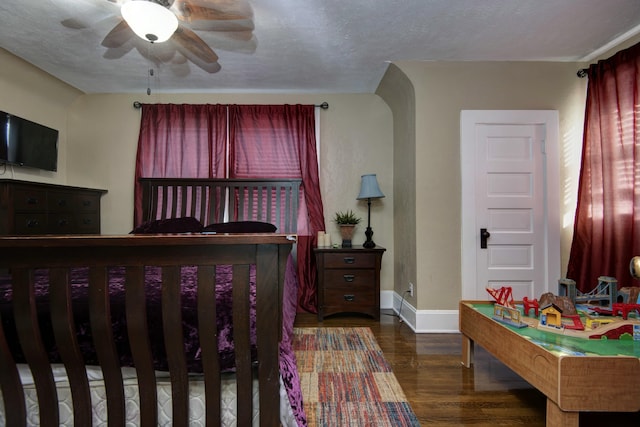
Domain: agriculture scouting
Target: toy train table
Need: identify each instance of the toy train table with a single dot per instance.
(575, 374)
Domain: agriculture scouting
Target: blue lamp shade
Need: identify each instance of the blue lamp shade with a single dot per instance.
(369, 188)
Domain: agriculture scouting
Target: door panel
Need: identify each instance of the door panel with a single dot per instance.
(505, 179)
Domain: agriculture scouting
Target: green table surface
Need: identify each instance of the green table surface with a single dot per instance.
(566, 345)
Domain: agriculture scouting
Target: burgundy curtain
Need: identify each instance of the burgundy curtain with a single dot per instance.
(607, 222)
(279, 141)
(180, 141)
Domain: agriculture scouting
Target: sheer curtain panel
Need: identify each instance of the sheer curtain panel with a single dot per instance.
(180, 141)
(607, 223)
(279, 141)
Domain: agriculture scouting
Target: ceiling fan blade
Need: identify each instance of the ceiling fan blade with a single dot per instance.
(84, 13)
(119, 35)
(212, 10)
(231, 41)
(117, 52)
(196, 50)
(193, 46)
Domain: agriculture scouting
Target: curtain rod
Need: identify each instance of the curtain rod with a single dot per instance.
(325, 105)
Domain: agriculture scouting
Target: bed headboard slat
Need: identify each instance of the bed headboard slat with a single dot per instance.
(274, 201)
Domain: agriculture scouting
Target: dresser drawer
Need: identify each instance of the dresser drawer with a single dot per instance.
(30, 223)
(349, 260)
(61, 223)
(30, 200)
(346, 277)
(61, 201)
(88, 223)
(87, 202)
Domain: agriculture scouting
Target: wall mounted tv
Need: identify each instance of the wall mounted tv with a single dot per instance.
(26, 143)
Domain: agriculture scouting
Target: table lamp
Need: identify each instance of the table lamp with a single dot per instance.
(369, 189)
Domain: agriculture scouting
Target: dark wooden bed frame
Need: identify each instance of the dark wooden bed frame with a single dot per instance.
(269, 252)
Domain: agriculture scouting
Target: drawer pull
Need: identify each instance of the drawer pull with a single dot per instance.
(32, 201)
(349, 260)
(350, 297)
(63, 222)
(62, 202)
(349, 277)
(86, 221)
(86, 203)
(32, 223)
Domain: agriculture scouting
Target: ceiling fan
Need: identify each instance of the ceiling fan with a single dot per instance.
(227, 24)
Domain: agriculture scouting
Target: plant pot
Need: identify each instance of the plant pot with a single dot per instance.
(346, 232)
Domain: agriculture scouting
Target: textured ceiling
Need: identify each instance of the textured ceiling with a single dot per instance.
(306, 46)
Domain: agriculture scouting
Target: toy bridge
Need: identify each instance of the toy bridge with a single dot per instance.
(503, 296)
(606, 291)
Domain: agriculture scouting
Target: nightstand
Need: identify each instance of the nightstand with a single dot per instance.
(349, 280)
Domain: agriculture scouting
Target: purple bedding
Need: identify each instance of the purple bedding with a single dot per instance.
(154, 316)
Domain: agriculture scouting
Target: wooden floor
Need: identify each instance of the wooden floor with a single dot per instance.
(444, 393)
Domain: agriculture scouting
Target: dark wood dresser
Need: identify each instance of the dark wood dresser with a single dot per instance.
(349, 280)
(28, 208)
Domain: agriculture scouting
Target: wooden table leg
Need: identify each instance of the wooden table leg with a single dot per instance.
(467, 351)
(556, 417)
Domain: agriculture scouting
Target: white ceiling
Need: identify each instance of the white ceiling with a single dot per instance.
(312, 46)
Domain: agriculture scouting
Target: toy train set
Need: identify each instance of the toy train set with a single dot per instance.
(603, 313)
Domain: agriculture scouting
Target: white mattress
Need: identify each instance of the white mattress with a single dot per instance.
(98, 399)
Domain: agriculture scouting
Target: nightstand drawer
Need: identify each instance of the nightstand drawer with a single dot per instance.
(349, 297)
(348, 278)
(349, 260)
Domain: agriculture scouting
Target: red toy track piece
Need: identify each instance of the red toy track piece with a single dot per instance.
(529, 304)
(502, 296)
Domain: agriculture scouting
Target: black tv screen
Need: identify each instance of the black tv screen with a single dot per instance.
(26, 143)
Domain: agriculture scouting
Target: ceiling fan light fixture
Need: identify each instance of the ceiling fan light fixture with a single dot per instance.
(149, 20)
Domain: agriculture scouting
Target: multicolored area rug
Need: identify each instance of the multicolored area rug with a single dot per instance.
(346, 380)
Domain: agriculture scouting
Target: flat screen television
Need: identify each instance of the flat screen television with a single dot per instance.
(26, 143)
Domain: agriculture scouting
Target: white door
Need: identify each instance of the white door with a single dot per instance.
(510, 212)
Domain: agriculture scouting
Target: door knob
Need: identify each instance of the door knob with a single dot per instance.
(484, 235)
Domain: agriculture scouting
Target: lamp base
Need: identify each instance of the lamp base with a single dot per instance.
(369, 242)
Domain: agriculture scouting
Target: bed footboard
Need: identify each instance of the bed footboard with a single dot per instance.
(59, 254)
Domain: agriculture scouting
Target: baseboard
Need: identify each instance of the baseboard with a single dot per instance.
(421, 321)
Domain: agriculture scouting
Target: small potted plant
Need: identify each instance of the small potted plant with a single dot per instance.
(347, 222)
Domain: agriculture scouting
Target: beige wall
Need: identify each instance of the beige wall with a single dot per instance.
(442, 90)
(398, 92)
(33, 94)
